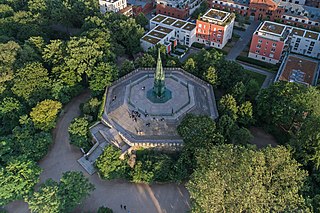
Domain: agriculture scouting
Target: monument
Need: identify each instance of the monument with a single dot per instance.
(159, 93)
(144, 108)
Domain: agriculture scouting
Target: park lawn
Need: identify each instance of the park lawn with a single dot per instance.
(257, 76)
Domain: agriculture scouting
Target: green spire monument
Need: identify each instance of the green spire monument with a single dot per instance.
(159, 93)
(159, 77)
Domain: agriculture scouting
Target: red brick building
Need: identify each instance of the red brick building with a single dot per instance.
(172, 11)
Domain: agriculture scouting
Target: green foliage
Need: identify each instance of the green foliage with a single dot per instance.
(92, 107)
(33, 145)
(110, 166)
(126, 67)
(103, 209)
(247, 180)
(245, 114)
(63, 196)
(145, 61)
(204, 6)
(32, 83)
(291, 105)
(78, 131)
(228, 106)
(102, 77)
(44, 115)
(17, 180)
(211, 76)
(142, 20)
(10, 111)
(271, 67)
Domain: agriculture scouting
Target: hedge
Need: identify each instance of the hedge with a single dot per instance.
(265, 65)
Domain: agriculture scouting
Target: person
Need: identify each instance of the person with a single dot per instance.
(125, 207)
(121, 206)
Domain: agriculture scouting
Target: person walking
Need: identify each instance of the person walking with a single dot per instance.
(125, 207)
(121, 206)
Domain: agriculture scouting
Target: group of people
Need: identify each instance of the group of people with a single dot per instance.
(134, 115)
(124, 207)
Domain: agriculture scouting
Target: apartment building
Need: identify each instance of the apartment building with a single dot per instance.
(112, 5)
(271, 42)
(215, 28)
(181, 9)
(313, 3)
(292, 12)
(169, 32)
(299, 69)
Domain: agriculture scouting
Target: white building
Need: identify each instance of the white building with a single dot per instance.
(112, 5)
(169, 32)
(159, 35)
(305, 42)
(302, 2)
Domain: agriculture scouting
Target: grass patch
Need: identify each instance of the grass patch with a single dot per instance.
(260, 78)
(271, 67)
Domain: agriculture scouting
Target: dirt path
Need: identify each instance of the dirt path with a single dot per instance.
(139, 198)
(261, 138)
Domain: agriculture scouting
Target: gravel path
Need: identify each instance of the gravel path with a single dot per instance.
(139, 198)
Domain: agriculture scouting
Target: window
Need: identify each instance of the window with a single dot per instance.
(274, 44)
(200, 25)
(259, 46)
(298, 39)
(257, 51)
(263, 58)
(260, 41)
(273, 50)
(312, 43)
(271, 55)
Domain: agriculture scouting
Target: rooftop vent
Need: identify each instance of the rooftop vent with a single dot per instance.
(272, 27)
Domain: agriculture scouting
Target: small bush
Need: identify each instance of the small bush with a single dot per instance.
(265, 65)
(198, 45)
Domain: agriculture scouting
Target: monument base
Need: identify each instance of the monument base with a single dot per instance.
(167, 95)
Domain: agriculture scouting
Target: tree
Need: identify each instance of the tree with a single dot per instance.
(44, 115)
(31, 144)
(104, 74)
(32, 83)
(241, 136)
(197, 132)
(126, 67)
(291, 105)
(110, 166)
(78, 131)
(5, 11)
(145, 61)
(245, 114)
(228, 106)
(237, 179)
(7, 150)
(252, 89)
(190, 66)
(60, 197)
(17, 180)
(10, 110)
(46, 199)
(142, 20)
(211, 76)
(92, 107)
(238, 91)
(306, 143)
(73, 188)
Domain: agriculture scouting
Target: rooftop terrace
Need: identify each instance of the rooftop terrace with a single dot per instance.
(216, 15)
(272, 27)
(299, 69)
(163, 29)
(150, 39)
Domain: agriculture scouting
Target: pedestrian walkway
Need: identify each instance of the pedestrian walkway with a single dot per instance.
(243, 41)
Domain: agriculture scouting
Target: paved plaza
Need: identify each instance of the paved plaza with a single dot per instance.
(145, 123)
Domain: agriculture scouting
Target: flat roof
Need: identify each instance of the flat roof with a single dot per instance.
(272, 27)
(150, 39)
(179, 23)
(159, 18)
(163, 29)
(156, 34)
(216, 15)
(312, 35)
(189, 26)
(298, 32)
(169, 21)
(299, 69)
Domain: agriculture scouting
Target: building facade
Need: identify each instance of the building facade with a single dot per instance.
(272, 41)
(112, 5)
(169, 32)
(313, 3)
(181, 9)
(215, 28)
(292, 12)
